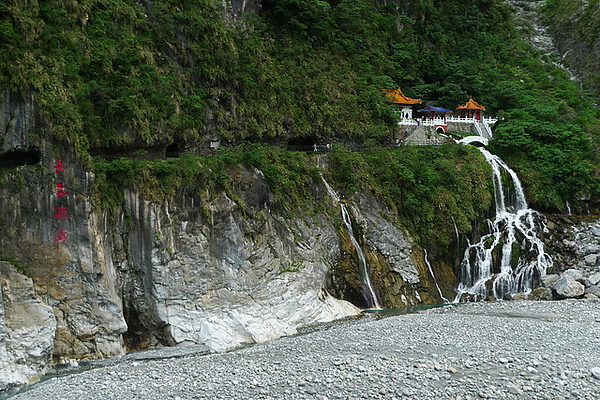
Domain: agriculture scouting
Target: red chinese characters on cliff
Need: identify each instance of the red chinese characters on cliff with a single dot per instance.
(60, 190)
(59, 167)
(61, 236)
(60, 211)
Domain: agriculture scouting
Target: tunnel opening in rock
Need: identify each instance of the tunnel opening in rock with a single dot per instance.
(20, 157)
(306, 143)
(173, 150)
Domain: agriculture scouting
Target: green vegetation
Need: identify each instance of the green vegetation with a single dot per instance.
(131, 75)
(287, 173)
(429, 197)
(19, 267)
(296, 266)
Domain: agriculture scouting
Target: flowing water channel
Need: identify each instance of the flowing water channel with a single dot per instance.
(363, 267)
(509, 259)
(433, 276)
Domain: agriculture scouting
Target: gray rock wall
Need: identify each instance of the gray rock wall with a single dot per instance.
(20, 123)
(215, 269)
(27, 328)
(191, 270)
(222, 280)
(575, 249)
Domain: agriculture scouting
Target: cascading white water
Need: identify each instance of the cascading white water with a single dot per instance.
(363, 267)
(433, 276)
(455, 229)
(511, 258)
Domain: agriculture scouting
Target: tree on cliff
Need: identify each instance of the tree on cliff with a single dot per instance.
(115, 76)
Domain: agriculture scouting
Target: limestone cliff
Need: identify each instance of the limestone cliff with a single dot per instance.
(573, 26)
(219, 269)
(27, 328)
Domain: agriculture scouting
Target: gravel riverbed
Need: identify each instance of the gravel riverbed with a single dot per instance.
(504, 350)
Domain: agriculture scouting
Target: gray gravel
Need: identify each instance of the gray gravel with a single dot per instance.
(507, 350)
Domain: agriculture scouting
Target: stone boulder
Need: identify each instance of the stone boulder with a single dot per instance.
(567, 287)
(574, 274)
(593, 279)
(540, 294)
(27, 328)
(595, 290)
(591, 259)
(550, 279)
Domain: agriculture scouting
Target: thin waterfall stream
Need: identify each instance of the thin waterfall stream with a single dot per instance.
(433, 276)
(363, 268)
(509, 259)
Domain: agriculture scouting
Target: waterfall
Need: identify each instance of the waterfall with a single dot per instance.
(455, 230)
(433, 276)
(363, 267)
(509, 259)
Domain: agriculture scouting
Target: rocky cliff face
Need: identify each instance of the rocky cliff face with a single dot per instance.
(574, 28)
(573, 242)
(27, 328)
(566, 31)
(218, 269)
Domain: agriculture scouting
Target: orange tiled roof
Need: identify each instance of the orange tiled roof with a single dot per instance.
(396, 97)
(471, 105)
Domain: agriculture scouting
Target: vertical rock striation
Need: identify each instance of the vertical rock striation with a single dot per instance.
(218, 269)
(203, 272)
(27, 328)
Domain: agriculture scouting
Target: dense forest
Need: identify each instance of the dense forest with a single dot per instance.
(123, 77)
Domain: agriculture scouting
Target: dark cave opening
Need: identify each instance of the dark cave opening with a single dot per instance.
(173, 150)
(137, 336)
(18, 158)
(303, 144)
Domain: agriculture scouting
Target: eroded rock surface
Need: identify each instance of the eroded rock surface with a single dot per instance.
(217, 269)
(573, 243)
(27, 328)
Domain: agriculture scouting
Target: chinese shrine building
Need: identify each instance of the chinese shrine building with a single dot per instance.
(471, 109)
(436, 116)
(405, 103)
(434, 122)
